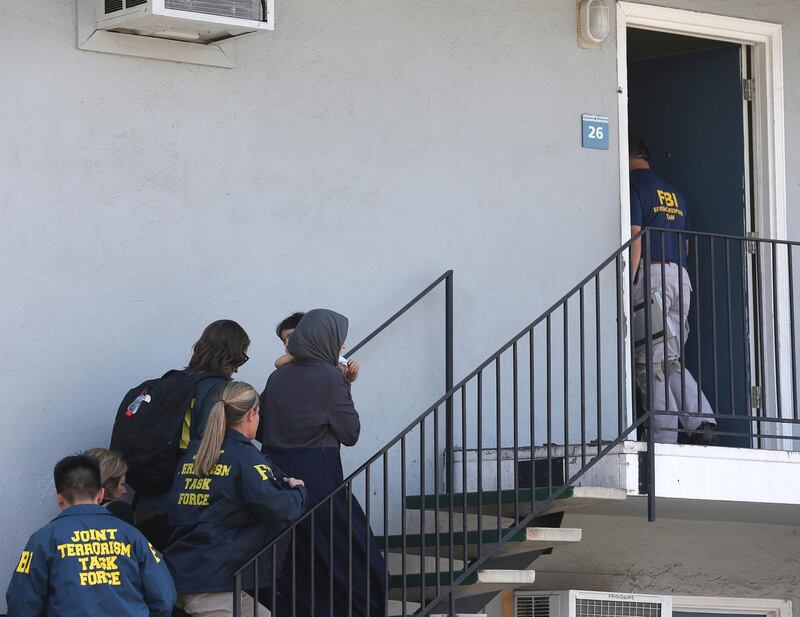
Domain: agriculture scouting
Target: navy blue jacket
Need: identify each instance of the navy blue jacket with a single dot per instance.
(655, 202)
(221, 521)
(87, 562)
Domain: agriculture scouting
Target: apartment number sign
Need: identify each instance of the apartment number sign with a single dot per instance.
(595, 131)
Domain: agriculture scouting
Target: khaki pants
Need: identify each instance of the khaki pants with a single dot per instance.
(670, 391)
(217, 605)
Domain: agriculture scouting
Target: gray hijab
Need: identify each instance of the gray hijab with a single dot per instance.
(319, 336)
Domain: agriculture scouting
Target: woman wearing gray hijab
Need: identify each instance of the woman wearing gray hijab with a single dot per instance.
(307, 415)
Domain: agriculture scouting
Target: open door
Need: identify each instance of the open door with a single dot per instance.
(687, 101)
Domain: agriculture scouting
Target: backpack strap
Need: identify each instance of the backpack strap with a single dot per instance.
(196, 376)
(172, 372)
(187, 416)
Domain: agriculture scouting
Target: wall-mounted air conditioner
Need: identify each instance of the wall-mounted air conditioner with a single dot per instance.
(589, 604)
(196, 21)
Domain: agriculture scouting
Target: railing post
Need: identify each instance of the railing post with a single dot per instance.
(237, 595)
(648, 338)
(448, 378)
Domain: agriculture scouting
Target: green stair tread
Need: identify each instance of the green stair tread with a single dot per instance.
(415, 581)
(490, 498)
(414, 540)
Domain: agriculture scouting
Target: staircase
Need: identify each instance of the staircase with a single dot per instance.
(513, 550)
(471, 493)
(452, 540)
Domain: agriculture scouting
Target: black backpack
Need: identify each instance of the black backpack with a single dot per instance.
(149, 425)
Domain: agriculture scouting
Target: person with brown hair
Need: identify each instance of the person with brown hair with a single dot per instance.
(216, 356)
(227, 501)
(221, 350)
(112, 478)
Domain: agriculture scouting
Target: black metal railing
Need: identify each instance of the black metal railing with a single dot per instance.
(537, 415)
(560, 379)
(737, 342)
(447, 278)
(721, 347)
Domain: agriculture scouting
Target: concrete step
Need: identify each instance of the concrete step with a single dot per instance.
(419, 563)
(470, 545)
(415, 587)
(430, 521)
(508, 503)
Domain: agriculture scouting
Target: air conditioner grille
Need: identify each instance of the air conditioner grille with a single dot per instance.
(240, 9)
(113, 5)
(130, 3)
(532, 606)
(585, 607)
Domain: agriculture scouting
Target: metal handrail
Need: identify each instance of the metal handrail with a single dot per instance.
(738, 265)
(445, 276)
(563, 419)
(432, 411)
(448, 275)
(447, 395)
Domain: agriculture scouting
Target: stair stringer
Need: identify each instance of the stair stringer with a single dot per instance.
(488, 560)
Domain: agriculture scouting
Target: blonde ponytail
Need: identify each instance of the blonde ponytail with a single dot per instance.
(236, 400)
(214, 433)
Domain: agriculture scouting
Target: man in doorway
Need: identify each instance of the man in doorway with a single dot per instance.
(657, 203)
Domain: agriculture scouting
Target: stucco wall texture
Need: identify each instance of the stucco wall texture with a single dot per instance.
(677, 557)
(354, 154)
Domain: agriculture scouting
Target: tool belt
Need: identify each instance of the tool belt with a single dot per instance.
(659, 370)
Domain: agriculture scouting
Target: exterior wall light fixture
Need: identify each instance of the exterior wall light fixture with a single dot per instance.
(594, 22)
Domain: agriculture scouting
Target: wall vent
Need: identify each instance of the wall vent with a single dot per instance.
(112, 6)
(238, 9)
(577, 603)
(200, 22)
(532, 606)
(586, 607)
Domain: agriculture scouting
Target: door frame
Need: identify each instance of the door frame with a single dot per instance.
(768, 171)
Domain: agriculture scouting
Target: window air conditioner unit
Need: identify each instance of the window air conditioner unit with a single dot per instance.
(196, 21)
(589, 604)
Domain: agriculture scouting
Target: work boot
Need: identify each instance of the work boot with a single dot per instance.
(705, 435)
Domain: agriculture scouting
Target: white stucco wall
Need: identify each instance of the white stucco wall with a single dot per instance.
(355, 153)
(676, 557)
